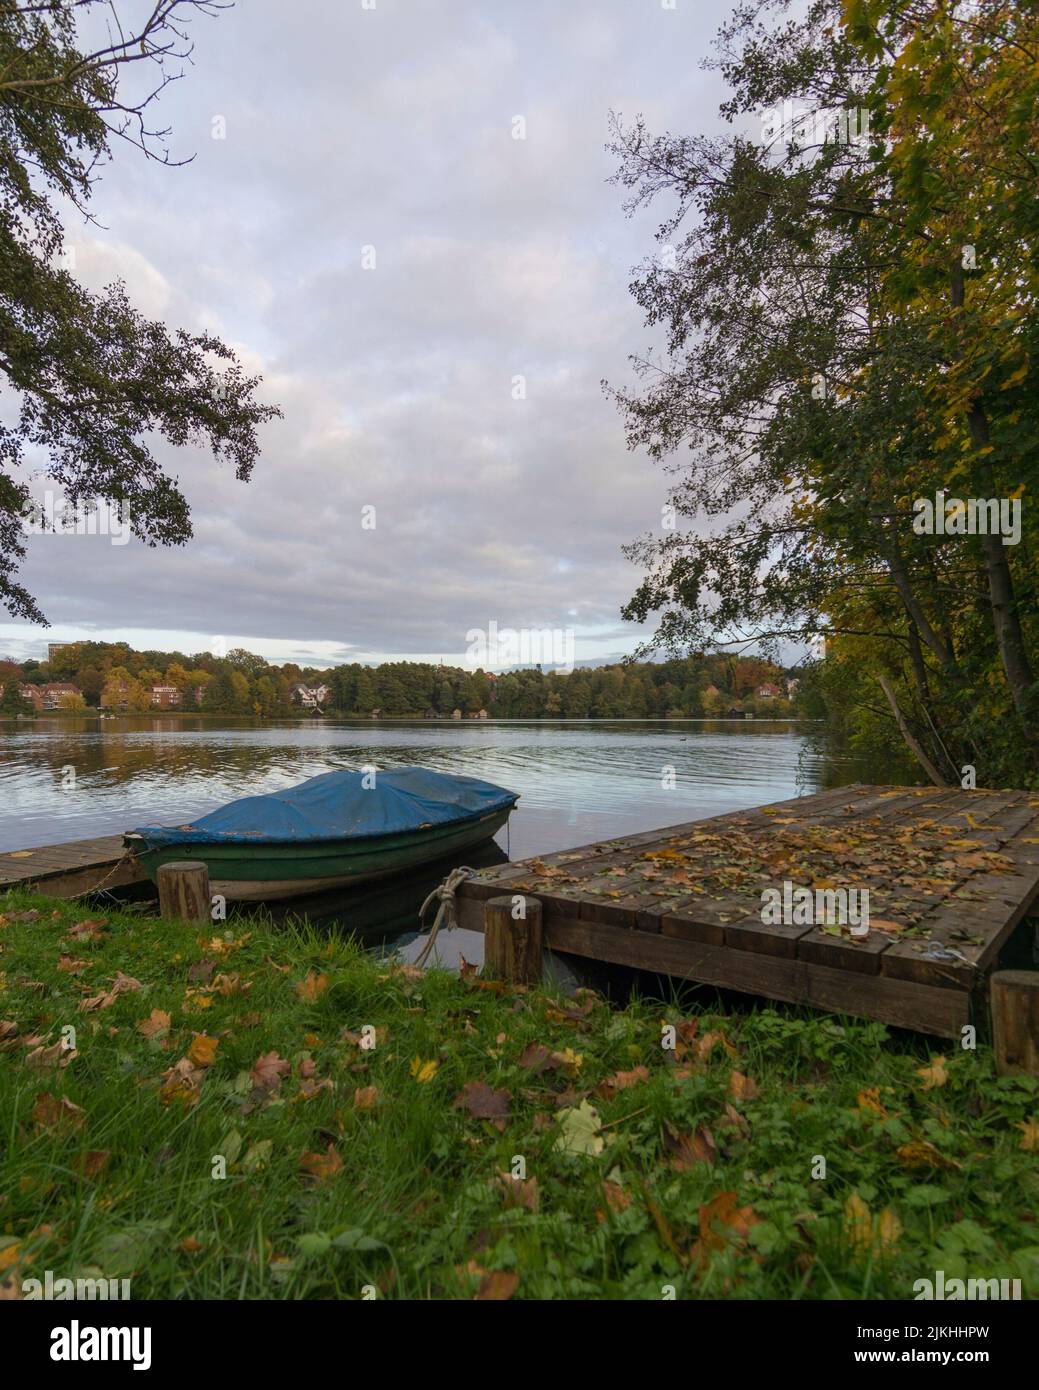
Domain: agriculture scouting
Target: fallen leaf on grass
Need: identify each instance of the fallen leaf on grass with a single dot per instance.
(203, 1050)
(468, 973)
(93, 1162)
(313, 987)
(497, 1286)
(866, 1234)
(322, 1167)
(182, 1083)
(742, 1087)
(228, 985)
(122, 984)
(621, 1081)
(869, 1100)
(569, 1059)
(482, 1102)
(732, 1119)
(689, 1149)
(424, 1072)
(69, 965)
(366, 1097)
(579, 1126)
(57, 1055)
(933, 1075)
(91, 929)
(191, 1246)
(536, 1058)
(921, 1153)
(49, 1111)
(722, 1223)
(518, 1192)
(616, 1197)
(1029, 1135)
(155, 1025)
(267, 1072)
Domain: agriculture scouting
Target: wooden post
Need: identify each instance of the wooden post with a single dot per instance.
(512, 943)
(1014, 996)
(184, 891)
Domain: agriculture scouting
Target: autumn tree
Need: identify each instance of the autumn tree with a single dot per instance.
(848, 326)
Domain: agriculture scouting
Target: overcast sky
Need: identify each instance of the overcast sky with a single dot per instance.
(391, 127)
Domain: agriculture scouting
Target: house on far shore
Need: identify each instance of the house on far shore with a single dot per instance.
(792, 687)
(310, 696)
(164, 696)
(768, 691)
(431, 714)
(456, 714)
(47, 697)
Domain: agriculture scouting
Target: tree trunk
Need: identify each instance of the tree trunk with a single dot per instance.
(1005, 620)
(903, 728)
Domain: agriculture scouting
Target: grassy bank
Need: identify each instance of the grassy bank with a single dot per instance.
(390, 1166)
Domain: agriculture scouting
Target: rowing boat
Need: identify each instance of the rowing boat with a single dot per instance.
(331, 831)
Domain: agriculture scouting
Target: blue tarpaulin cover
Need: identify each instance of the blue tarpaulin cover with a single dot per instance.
(337, 806)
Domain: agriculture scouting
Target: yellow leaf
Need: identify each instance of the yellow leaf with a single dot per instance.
(858, 1222)
(870, 1100)
(203, 1050)
(1029, 1135)
(935, 1075)
(423, 1071)
(889, 1228)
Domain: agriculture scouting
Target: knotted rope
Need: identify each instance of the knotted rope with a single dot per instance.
(445, 917)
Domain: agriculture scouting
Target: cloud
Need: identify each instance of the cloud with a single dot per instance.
(496, 259)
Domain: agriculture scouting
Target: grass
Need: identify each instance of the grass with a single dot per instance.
(390, 1168)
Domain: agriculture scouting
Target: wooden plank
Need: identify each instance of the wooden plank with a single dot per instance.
(897, 1002)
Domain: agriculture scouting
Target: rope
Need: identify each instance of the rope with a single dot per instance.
(126, 854)
(445, 895)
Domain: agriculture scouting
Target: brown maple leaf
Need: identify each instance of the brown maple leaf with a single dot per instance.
(322, 1167)
(482, 1102)
(267, 1072)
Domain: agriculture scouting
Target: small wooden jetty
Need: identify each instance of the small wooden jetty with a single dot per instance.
(66, 871)
(950, 874)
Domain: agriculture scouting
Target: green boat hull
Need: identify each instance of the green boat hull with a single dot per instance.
(266, 872)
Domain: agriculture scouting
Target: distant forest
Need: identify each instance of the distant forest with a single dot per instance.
(714, 685)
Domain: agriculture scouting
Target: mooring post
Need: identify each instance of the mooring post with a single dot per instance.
(1014, 997)
(512, 939)
(184, 891)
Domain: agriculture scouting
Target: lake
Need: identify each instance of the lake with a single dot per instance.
(66, 779)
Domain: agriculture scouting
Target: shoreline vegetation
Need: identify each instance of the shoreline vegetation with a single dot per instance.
(249, 1112)
(86, 677)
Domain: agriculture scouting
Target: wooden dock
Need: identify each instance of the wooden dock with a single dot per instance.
(950, 874)
(66, 871)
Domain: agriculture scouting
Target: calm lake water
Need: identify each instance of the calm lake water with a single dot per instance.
(66, 779)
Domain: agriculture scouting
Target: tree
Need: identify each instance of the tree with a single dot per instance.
(830, 359)
(13, 702)
(124, 691)
(92, 380)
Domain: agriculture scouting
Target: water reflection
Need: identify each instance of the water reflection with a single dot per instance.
(578, 782)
